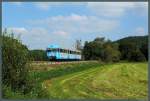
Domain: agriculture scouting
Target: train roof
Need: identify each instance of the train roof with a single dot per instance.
(54, 46)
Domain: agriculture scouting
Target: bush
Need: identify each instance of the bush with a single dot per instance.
(14, 64)
(144, 50)
(137, 56)
(38, 55)
(101, 49)
(111, 54)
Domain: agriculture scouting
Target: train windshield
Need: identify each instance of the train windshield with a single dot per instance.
(52, 50)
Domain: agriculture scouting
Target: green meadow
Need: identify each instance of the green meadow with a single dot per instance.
(89, 80)
(121, 80)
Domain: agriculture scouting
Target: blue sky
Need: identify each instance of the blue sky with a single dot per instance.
(42, 23)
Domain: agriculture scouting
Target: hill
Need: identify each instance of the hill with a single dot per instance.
(137, 40)
(133, 48)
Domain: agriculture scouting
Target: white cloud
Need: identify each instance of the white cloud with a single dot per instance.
(18, 31)
(116, 9)
(64, 30)
(48, 5)
(17, 3)
(40, 38)
(44, 5)
(77, 24)
(61, 33)
(106, 9)
(140, 31)
(34, 38)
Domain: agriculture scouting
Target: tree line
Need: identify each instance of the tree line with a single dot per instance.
(101, 49)
(129, 49)
(38, 55)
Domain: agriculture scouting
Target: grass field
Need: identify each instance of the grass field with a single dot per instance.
(120, 80)
(92, 80)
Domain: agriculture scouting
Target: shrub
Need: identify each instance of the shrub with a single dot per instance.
(111, 54)
(101, 49)
(137, 56)
(14, 64)
(38, 55)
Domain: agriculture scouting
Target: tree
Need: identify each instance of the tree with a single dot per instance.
(99, 49)
(38, 55)
(111, 54)
(86, 52)
(137, 56)
(130, 48)
(78, 45)
(14, 66)
(126, 49)
(99, 40)
(130, 45)
(144, 50)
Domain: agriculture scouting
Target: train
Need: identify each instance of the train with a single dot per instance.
(54, 52)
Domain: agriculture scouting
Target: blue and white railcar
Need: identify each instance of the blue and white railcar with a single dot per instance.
(54, 52)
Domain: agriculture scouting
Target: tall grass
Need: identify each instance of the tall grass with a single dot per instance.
(68, 69)
(37, 77)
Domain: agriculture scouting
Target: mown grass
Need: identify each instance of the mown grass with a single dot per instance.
(89, 80)
(122, 80)
(63, 69)
(38, 92)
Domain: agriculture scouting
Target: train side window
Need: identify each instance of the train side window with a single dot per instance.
(65, 51)
(54, 50)
(48, 50)
(61, 50)
(75, 52)
(57, 49)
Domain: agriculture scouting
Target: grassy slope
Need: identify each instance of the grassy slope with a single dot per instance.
(122, 80)
(89, 80)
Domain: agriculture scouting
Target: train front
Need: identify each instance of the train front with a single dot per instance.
(51, 52)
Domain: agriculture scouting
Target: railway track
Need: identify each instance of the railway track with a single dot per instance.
(55, 62)
(47, 65)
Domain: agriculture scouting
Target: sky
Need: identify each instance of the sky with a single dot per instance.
(39, 24)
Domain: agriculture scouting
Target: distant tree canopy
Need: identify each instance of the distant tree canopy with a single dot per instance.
(38, 55)
(144, 49)
(130, 48)
(100, 49)
(134, 48)
(78, 45)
